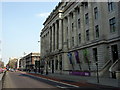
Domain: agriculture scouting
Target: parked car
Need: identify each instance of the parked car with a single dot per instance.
(1, 70)
(12, 70)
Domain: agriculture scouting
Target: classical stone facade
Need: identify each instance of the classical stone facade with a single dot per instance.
(78, 36)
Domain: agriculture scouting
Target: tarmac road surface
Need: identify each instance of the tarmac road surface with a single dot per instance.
(20, 80)
(23, 80)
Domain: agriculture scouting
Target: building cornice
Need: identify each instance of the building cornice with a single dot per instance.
(53, 13)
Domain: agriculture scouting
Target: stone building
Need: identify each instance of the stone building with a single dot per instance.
(78, 37)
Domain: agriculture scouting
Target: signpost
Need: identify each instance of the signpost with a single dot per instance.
(97, 72)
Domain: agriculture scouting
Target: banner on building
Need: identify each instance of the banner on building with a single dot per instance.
(85, 53)
(77, 56)
(70, 57)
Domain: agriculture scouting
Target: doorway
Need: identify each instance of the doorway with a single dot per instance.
(114, 52)
(52, 66)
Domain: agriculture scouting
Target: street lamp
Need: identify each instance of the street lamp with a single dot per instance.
(39, 61)
(46, 68)
(97, 72)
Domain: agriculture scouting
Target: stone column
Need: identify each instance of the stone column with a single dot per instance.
(91, 25)
(52, 37)
(43, 45)
(75, 28)
(66, 64)
(82, 24)
(60, 33)
(65, 34)
(55, 35)
(118, 30)
(69, 32)
(118, 18)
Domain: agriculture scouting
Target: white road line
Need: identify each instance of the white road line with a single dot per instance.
(61, 87)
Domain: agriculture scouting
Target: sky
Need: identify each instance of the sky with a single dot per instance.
(21, 24)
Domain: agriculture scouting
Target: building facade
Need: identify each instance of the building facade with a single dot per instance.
(22, 63)
(28, 61)
(1, 64)
(81, 36)
(12, 63)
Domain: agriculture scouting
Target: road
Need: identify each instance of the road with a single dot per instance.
(22, 80)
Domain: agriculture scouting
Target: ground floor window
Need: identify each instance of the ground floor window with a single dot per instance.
(95, 54)
(60, 62)
(56, 64)
(114, 49)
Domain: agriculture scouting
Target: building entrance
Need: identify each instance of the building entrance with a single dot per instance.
(114, 52)
(52, 66)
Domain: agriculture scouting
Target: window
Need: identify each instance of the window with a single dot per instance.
(110, 6)
(95, 54)
(78, 11)
(72, 41)
(67, 31)
(86, 18)
(72, 15)
(79, 38)
(78, 23)
(96, 12)
(86, 4)
(56, 64)
(97, 31)
(112, 25)
(49, 64)
(87, 35)
(72, 26)
(60, 62)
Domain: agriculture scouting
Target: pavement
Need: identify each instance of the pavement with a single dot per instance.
(81, 80)
(1, 75)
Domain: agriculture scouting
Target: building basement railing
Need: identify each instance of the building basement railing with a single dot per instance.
(114, 66)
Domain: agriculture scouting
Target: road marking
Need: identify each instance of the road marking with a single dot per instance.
(61, 87)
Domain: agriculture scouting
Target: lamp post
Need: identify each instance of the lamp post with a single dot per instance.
(39, 61)
(97, 72)
(46, 63)
(46, 68)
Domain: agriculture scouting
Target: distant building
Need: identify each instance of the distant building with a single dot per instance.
(12, 63)
(22, 63)
(1, 64)
(78, 36)
(28, 61)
